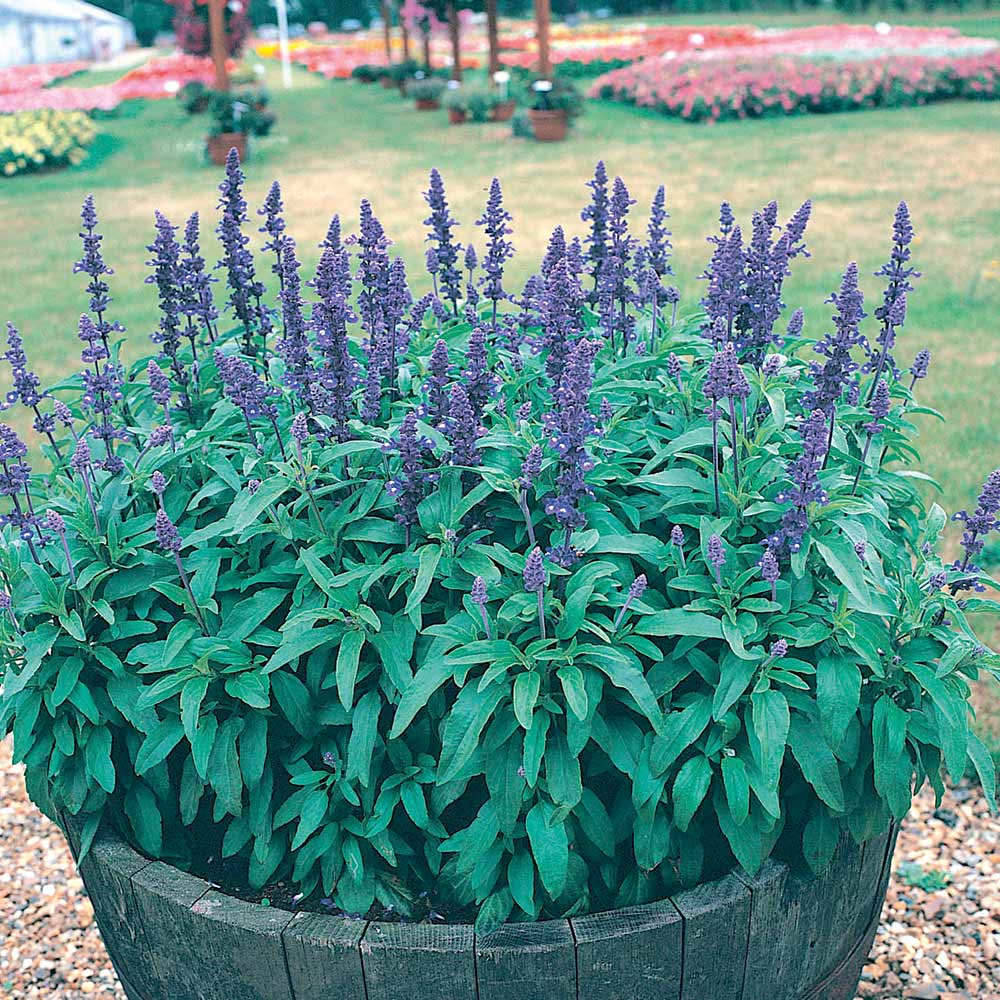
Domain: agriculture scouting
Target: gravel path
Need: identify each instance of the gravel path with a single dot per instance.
(934, 943)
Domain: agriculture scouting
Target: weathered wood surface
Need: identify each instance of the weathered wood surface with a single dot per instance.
(324, 956)
(716, 924)
(429, 961)
(527, 961)
(630, 954)
(782, 935)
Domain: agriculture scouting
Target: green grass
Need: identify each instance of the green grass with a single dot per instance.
(338, 142)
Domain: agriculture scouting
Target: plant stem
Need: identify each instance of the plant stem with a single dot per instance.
(190, 593)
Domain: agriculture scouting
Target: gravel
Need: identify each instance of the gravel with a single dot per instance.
(939, 938)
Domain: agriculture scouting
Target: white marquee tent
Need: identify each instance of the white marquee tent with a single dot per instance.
(41, 31)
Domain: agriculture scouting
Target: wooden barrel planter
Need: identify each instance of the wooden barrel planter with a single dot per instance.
(781, 935)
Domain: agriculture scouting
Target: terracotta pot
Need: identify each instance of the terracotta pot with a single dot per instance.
(387, 82)
(549, 126)
(504, 111)
(219, 146)
(456, 116)
(365, 80)
(427, 104)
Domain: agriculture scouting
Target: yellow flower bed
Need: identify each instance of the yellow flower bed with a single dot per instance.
(33, 140)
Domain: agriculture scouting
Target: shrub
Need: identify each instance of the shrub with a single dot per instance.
(426, 88)
(194, 97)
(476, 101)
(36, 140)
(539, 603)
(367, 72)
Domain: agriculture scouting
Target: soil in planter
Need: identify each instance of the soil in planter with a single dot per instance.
(228, 876)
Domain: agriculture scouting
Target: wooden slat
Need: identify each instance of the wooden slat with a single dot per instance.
(324, 957)
(716, 923)
(527, 962)
(630, 954)
(434, 961)
(208, 946)
(802, 926)
(107, 873)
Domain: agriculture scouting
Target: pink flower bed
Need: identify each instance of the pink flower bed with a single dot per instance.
(159, 77)
(727, 88)
(17, 78)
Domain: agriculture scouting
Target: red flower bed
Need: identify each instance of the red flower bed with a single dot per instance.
(719, 89)
(160, 77)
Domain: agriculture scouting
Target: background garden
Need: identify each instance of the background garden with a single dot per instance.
(743, 106)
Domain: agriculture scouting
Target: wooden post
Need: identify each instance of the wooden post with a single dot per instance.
(217, 36)
(456, 42)
(387, 30)
(543, 21)
(406, 36)
(493, 36)
(426, 38)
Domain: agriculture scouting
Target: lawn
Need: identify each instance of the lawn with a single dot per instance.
(337, 142)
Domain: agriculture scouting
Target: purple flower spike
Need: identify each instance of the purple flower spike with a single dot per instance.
(499, 250)
(157, 483)
(300, 428)
(534, 572)
(779, 649)
(921, 364)
(638, 587)
(441, 224)
(167, 535)
(716, 556)
(770, 570)
(806, 489)
(463, 429)
(978, 525)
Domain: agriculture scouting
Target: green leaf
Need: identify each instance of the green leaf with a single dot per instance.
(690, 788)
(891, 762)
(982, 760)
(571, 679)
(734, 678)
(224, 767)
(493, 912)
(430, 556)
(737, 785)
(425, 682)
(348, 657)
(99, 761)
(526, 688)
(770, 721)
(294, 701)
(521, 880)
(624, 674)
(364, 733)
(144, 818)
(838, 693)
(562, 771)
(819, 840)
(680, 730)
(313, 813)
(819, 766)
(192, 695)
(678, 621)
(838, 553)
(596, 823)
(506, 785)
(158, 744)
(549, 847)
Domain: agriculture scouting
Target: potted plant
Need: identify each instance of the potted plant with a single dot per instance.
(602, 656)
(426, 92)
(554, 106)
(365, 73)
(505, 105)
(456, 104)
(233, 117)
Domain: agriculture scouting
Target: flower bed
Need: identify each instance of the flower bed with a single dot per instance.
(720, 89)
(160, 77)
(14, 79)
(36, 140)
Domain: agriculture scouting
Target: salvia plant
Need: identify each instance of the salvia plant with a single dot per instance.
(530, 601)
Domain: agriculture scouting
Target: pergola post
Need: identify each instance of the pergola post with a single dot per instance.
(387, 30)
(456, 42)
(493, 36)
(217, 37)
(543, 22)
